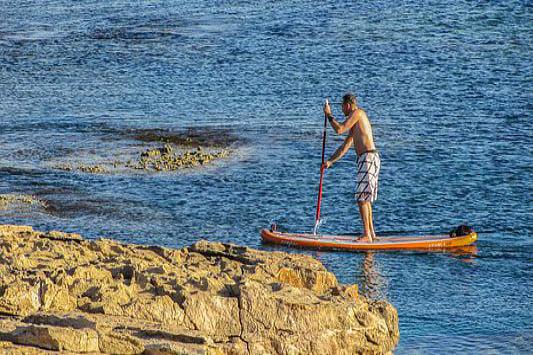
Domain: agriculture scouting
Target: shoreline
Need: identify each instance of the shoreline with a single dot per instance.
(60, 292)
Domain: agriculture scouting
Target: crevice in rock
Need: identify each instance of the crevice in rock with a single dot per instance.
(164, 335)
(370, 339)
(186, 316)
(239, 302)
(241, 260)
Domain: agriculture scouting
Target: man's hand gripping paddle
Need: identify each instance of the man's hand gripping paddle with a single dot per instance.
(322, 168)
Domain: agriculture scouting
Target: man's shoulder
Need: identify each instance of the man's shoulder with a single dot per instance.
(360, 112)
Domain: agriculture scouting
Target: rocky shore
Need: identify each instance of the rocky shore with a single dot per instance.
(59, 292)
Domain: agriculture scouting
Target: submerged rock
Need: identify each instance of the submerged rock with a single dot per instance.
(192, 137)
(92, 169)
(62, 293)
(20, 202)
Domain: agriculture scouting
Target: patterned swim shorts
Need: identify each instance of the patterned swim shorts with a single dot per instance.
(368, 165)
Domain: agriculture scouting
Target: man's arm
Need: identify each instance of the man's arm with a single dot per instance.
(341, 128)
(348, 142)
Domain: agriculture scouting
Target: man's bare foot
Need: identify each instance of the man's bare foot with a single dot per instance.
(364, 239)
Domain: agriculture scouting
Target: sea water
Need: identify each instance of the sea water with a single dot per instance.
(447, 87)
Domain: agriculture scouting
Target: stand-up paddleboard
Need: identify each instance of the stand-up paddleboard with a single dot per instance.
(343, 242)
(459, 237)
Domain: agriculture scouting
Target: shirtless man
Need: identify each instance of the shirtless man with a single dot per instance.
(368, 163)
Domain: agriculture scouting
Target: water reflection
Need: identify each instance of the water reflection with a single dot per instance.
(466, 254)
(372, 283)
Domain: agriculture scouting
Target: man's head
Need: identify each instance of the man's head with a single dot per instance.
(349, 103)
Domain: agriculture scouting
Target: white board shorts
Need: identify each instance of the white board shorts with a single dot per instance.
(368, 165)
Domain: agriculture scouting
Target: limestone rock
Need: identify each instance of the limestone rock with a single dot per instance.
(65, 320)
(59, 292)
(57, 338)
(213, 314)
(20, 298)
(62, 236)
(161, 309)
(115, 343)
(166, 348)
(10, 228)
(56, 298)
(7, 347)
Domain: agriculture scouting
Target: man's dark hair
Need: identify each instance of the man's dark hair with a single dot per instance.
(349, 98)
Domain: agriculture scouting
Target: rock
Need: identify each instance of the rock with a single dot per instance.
(9, 229)
(56, 235)
(93, 169)
(20, 202)
(75, 321)
(319, 281)
(14, 349)
(161, 309)
(56, 298)
(166, 159)
(57, 338)
(164, 151)
(59, 291)
(20, 298)
(213, 314)
(278, 310)
(114, 343)
(151, 153)
(165, 348)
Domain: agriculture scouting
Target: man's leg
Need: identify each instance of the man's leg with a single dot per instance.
(372, 231)
(365, 218)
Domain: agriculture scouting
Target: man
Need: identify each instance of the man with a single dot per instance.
(359, 131)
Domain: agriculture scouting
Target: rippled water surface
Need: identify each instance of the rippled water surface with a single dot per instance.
(447, 86)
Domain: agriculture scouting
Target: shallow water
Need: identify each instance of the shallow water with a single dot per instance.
(446, 85)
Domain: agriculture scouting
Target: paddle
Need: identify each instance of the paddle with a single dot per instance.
(319, 201)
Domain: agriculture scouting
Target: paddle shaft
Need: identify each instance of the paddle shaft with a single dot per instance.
(319, 201)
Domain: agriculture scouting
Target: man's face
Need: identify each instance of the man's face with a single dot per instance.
(346, 109)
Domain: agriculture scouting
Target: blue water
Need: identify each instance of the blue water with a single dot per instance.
(447, 86)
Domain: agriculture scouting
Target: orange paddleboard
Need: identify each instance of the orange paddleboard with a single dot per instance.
(343, 242)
